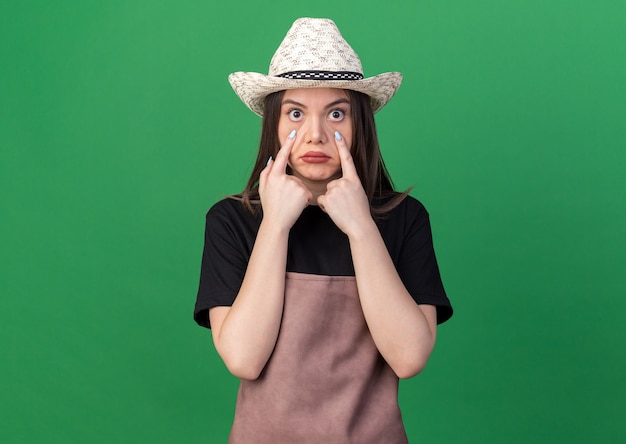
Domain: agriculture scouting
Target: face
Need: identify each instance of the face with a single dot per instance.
(315, 114)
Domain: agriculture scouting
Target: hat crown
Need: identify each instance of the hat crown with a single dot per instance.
(313, 44)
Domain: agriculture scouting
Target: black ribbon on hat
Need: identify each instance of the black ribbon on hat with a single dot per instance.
(321, 75)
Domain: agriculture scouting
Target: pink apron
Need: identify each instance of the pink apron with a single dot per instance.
(325, 382)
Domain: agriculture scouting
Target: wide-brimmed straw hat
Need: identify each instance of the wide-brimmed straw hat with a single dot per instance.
(313, 54)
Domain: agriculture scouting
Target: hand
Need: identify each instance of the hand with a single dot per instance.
(283, 196)
(345, 200)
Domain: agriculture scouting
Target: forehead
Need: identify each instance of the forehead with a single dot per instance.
(315, 96)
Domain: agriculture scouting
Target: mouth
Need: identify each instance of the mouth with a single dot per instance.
(315, 157)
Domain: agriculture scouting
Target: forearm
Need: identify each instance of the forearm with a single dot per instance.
(401, 330)
(248, 333)
(248, 330)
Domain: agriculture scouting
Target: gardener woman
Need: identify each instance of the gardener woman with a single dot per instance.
(319, 281)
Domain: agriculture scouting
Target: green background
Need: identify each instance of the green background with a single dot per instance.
(118, 130)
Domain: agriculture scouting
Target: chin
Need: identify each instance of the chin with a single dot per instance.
(321, 178)
(317, 174)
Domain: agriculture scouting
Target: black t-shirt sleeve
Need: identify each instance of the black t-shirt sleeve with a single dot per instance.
(416, 261)
(227, 247)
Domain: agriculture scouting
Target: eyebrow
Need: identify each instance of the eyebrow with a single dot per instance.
(302, 105)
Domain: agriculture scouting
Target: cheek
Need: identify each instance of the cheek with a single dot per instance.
(347, 137)
(284, 127)
(281, 131)
(346, 132)
(349, 142)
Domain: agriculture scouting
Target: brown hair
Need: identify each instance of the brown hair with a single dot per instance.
(365, 153)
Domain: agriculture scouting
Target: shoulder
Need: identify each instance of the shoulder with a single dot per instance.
(226, 205)
(407, 223)
(407, 210)
(411, 205)
(229, 208)
(230, 216)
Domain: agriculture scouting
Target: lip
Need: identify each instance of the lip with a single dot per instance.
(315, 157)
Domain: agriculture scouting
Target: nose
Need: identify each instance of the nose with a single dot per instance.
(315, 131)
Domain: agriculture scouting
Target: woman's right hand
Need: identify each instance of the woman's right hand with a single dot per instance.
(283, 196)
(245, 333)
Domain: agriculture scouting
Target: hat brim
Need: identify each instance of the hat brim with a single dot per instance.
(252, 87)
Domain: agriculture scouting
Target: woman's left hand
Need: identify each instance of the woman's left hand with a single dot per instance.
(345, 200)
(403, 331)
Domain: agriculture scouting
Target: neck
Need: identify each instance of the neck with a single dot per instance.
(316, 188)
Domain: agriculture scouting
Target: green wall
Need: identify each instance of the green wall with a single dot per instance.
(118, 130)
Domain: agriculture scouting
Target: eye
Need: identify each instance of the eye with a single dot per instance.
(295, 115)
(336, 115)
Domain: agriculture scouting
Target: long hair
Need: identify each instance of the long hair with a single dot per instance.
(365, 150)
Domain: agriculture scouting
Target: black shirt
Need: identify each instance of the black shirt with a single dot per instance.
(316, 246)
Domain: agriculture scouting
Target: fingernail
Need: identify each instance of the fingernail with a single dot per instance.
(268, 161)
(292, 134)
(337, 135)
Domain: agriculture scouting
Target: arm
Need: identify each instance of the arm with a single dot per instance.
(245, 333)
(403, 331)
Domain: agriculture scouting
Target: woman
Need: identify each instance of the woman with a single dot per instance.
(319, 281)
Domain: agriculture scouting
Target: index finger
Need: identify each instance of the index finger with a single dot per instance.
(280, 164)
(347, 163)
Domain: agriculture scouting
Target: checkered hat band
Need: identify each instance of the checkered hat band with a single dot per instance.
(321, 75)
